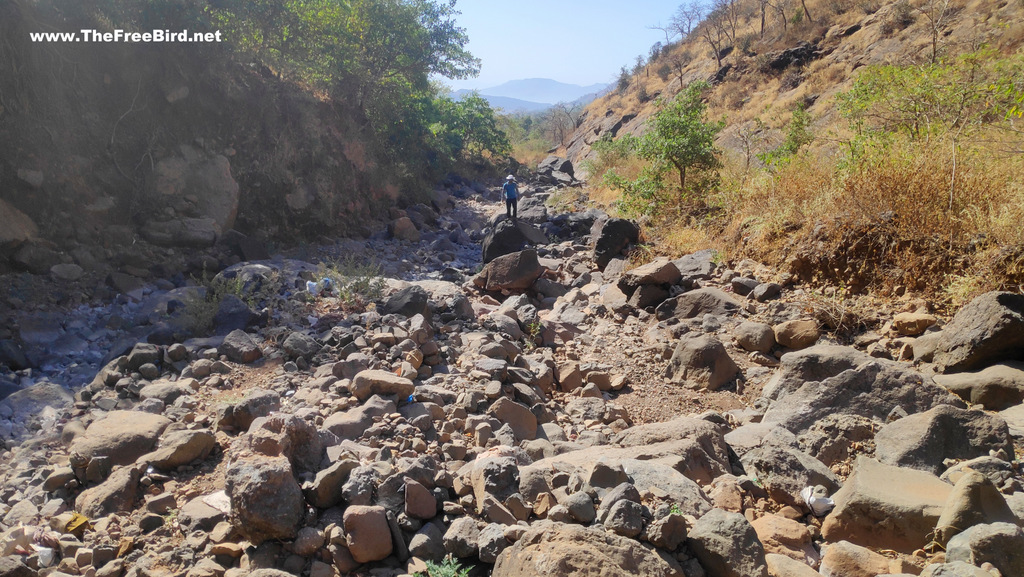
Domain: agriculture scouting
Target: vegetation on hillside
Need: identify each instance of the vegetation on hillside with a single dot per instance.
(904, 178)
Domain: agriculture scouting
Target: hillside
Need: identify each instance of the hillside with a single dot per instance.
(111, 154)
(804, 212)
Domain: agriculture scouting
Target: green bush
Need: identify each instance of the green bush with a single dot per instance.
(356, 281)
(450, 567)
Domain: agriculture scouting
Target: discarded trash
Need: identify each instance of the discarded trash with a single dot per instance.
(817, 499)
(325, 286)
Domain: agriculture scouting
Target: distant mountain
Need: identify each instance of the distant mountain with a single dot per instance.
(535, 94)
(543, 90)
(510, 105)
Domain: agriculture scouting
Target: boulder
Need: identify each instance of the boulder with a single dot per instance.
(239, 347)
(844, 559)
(701, 362)
(1001, 544)
(954, 569)
(516, 271)
(376, 382)
(785, 471)
(695, 447)
(123, 436)
(782, 566)
(351, 424)
(15, 226)
(658, 272)
(815, 363)
(727, 546)
(997, 387)
(886, 507)
(461, 538)
(408, 302)
(165, 391)
(611, 237)
(974, 501)
(871, 390)
(925, 440)
(325, 491)
(1014, 417)
(561, 550)
(797, 334)
(510, 236)
(786, 537)
(233, 314)
(517, 416)
(554, 163)
(912, 324)
(284, 434)
(266, 501)
(697, 266)
(204, 179)
(987, 330)
(255, 404)
(754, 337)
(116, 495)
(404, 229)
(367, 533)
(300, 345)
(697, 303)
(179, 448)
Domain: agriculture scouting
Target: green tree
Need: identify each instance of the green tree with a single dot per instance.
(798, 135)
(469, 128)
(679, 135)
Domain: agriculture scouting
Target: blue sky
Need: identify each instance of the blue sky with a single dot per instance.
(575, 41)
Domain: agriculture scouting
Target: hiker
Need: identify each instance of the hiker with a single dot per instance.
(510, 192)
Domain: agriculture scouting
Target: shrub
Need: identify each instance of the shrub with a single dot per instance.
(356, 281)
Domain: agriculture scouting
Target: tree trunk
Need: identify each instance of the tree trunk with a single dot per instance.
(807, 13)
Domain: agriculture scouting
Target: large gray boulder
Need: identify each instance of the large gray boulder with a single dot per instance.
(205, 179)
(974, 501)
(727, 546)
(987, 330)
(702, 362)
(697, 303)
(123, 436)
(785, 471)
(871, 390)
(117, 494)
(516, 271)
(611, 237)
(560, 550)
(1001, 544)
(925, 440)
(997, 387)
(510, 236)
(266, 501)
(886, 507)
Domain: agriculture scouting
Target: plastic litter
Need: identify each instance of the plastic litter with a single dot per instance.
(324, 286)
(817, 499)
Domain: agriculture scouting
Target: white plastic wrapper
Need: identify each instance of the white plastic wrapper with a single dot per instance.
(820, 504)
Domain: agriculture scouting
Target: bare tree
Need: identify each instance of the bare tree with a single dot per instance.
(713, 33)
(728, 12)
(687, 17)
(807, 12)
(938, 13)
(780, 8)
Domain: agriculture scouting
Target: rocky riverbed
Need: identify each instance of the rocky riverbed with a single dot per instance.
(519, 399)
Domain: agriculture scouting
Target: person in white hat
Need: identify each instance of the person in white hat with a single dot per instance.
(510, 192)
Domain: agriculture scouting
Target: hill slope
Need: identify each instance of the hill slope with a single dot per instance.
(828, 212)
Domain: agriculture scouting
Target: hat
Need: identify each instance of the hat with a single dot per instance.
(510, 177)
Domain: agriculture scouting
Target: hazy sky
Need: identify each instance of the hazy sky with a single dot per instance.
(575, 41)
